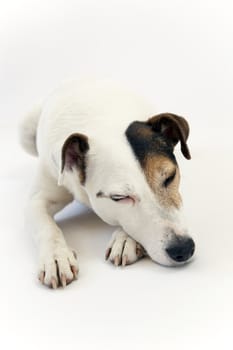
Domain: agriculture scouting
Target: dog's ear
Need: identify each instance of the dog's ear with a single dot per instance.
(73, 155)
(174, 128)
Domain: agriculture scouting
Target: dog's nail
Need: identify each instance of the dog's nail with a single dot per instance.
(108, 252)
(139, 251)
(74, 253)
(74, 269)
(68, 281)
(117, 260)
(63, 280)
(41, 277)
(54, 283)
(124, 260)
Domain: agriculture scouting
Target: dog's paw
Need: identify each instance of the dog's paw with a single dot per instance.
(123, 250)
(58, 267)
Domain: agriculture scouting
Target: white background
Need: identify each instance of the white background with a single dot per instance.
(180, 55)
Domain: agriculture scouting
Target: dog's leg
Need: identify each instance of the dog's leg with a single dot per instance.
(57, 263)
(123, 250)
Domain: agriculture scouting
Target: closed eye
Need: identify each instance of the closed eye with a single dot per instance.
(118, 197)
(169, 179)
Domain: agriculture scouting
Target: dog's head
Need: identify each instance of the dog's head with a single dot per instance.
(132, 181)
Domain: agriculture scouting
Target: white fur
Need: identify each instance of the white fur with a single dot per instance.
(102, 111)
(28, 129)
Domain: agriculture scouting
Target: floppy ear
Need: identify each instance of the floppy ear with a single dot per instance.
(174, 128)
(73, 155)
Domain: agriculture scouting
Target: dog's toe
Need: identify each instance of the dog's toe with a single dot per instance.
(58, 268)
(123, 250)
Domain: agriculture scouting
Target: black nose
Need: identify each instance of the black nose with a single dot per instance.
(181, 249)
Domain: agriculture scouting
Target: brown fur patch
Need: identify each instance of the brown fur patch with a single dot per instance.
(174, 127)
(155, 155)
(157, 169)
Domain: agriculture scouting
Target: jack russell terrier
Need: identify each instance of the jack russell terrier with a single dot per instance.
(103, 146)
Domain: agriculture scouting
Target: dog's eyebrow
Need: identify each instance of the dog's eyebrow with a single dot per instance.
(100, 194)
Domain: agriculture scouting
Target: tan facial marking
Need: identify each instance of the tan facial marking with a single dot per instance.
(157, 169)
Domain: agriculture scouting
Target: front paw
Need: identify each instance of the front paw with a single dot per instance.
(58, 267)
(123, 250)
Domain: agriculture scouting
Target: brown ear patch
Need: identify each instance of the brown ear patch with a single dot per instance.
(155, 155)
(173, 128)
(74, 154)
(146, 142)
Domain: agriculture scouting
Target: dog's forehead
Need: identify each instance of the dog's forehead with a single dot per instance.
(147, 143)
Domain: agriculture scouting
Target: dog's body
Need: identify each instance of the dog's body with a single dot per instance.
(91, 149)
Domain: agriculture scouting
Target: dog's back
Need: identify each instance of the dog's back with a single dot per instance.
(99, 109)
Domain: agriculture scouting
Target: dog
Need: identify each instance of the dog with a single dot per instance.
(102, 145)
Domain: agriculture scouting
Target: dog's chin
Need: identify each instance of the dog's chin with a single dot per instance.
(166, 261)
